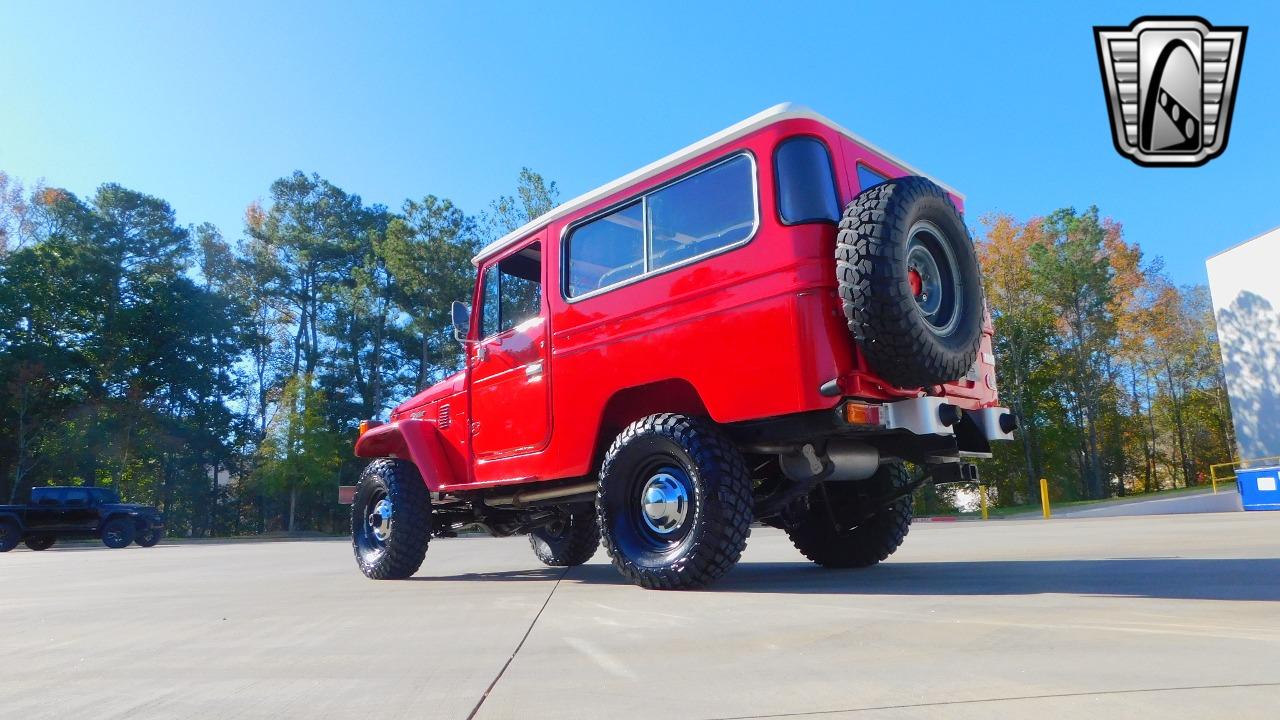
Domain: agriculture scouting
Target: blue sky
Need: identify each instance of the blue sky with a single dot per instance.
(205, 103)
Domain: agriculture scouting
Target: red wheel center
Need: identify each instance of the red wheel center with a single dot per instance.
(917, 285)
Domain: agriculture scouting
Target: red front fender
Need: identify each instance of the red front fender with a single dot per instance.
(417, 441)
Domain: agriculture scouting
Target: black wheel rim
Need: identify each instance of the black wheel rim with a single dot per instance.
(652, 535)
(114, 534)
(934, 278)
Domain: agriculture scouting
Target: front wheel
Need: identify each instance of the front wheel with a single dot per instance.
(836, 530)
(149, 537)
(390, 520)
(674, 503)
(118, 533)
(39, 542)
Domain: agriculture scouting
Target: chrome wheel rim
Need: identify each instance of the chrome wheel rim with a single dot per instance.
(664, 502)
(379, 520)
(933, 277)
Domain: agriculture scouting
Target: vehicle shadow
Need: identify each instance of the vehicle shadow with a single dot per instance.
(1149, 577)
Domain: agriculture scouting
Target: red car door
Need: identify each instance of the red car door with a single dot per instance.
(510, 395)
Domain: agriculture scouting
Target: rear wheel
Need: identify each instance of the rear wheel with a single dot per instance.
(118, 533)
(39, 542)
(674, 503)
(10, 534)
(570, 540)
(834, 528)
(390, 520)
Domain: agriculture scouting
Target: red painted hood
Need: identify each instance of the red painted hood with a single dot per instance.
(451, 385)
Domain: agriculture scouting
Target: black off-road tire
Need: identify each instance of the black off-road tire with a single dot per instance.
(39, 542)
(876, 293)
(10, 534)
(149, 537)
(710, 539)
(402, 553)
(834, 531)
(571, 541)
(118, 532)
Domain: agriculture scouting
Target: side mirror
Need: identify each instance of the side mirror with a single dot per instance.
(461, 321)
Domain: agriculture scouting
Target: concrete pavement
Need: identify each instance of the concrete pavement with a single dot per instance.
(1114, 617)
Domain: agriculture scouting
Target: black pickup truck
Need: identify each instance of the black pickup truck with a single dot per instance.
(78, 512)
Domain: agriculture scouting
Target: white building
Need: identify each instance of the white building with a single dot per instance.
(1245, 284)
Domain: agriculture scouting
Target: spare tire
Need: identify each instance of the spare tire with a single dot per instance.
(909, 282)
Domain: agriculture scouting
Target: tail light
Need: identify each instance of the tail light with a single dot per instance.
(856, 413)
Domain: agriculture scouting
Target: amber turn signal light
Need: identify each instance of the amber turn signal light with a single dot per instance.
(860, 414)
(364, 427)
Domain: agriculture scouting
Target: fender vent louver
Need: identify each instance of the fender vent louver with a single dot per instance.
(442, 418)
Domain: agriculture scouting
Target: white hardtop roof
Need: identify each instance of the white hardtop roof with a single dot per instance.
(777, 113)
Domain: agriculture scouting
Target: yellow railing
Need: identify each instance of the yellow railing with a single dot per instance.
(1214, 477)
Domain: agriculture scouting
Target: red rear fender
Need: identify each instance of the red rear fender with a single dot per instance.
(417, 441)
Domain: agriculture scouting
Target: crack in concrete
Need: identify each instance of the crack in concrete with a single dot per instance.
(519, 645)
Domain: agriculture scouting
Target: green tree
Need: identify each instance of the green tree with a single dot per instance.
(1073, 276)
(301, 452)
(534, 197)
(428, 253)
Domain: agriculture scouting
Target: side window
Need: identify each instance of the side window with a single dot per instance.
(521, 287)
(868, 177)
(806, 187)
(77, 497)
(512, 291)
(489, 308)
(606, 250)
(702, 213)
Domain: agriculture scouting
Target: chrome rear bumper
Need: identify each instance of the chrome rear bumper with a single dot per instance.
(936, 416)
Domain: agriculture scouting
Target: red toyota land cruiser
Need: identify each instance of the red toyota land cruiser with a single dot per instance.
(763, 326)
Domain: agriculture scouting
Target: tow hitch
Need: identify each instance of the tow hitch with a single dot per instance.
(953, 472)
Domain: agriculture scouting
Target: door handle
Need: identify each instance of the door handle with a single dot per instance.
(481, 353)
(533, 369)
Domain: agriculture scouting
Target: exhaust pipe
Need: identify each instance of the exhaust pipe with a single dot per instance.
(524, 497)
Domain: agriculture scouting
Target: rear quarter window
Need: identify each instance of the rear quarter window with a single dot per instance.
(869, 178)
(806, 185)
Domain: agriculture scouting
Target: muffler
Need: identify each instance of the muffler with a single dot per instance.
(849, 460)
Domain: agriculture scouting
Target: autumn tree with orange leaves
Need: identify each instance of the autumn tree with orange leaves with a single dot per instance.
(1113, 370)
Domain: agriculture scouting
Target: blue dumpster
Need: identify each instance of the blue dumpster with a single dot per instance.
(1259, 488)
